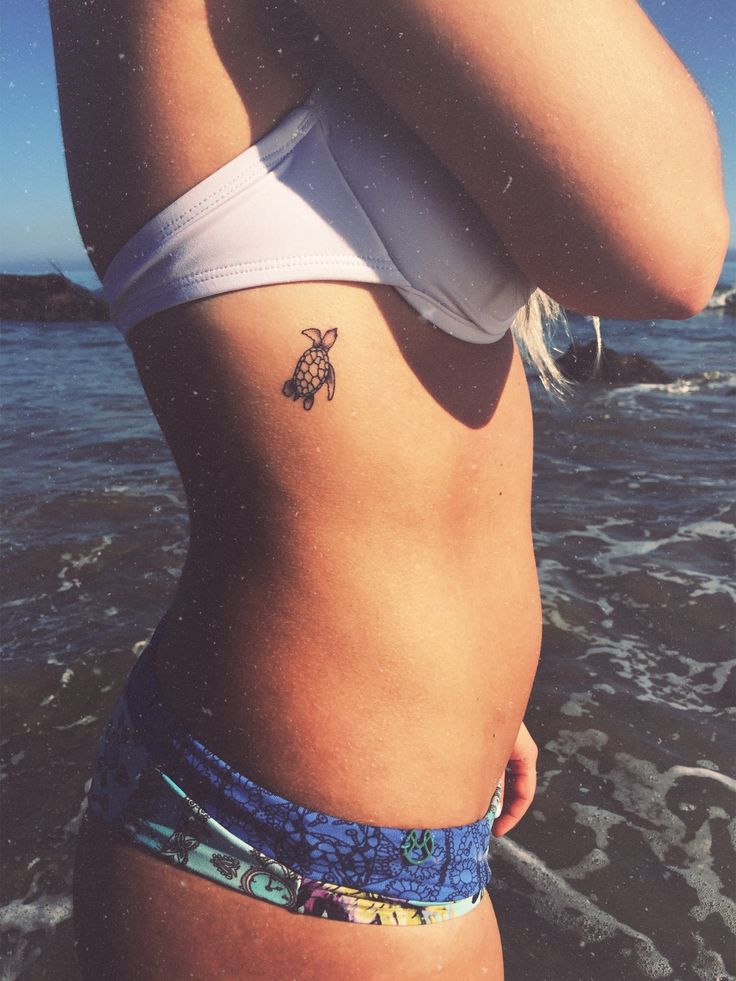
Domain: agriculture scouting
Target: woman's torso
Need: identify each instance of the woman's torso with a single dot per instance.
(357, 626)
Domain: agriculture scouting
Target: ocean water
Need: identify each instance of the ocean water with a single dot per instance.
(624, 867)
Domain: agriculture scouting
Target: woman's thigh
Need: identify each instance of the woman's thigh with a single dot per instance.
(140, 919)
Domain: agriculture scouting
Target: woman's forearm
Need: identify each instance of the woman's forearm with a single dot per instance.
(573, 126)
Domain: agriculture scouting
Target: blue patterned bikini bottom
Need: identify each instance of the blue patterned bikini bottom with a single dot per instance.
(165, 791)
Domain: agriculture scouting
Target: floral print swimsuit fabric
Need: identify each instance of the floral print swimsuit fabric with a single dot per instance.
(168, 793)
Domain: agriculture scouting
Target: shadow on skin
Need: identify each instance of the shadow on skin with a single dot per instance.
(467, 380)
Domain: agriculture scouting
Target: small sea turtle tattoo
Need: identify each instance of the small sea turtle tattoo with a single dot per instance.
(313, 369)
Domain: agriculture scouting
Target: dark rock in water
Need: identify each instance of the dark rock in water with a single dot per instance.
(578, 363)
(48, 298)
(724, 299)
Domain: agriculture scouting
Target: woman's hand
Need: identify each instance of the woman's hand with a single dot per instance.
(518, 783)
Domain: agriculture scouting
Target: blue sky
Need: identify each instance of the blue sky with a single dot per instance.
(37, 218)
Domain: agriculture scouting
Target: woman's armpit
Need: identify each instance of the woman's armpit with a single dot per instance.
(152, 102)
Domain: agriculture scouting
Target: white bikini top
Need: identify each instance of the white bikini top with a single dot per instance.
(340, 189)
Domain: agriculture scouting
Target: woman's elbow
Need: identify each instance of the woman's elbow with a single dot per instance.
(669, 235)
(683, 281)
(672, 278)
(694, 290)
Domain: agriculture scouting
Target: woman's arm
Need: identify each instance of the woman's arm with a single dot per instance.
(573, 126)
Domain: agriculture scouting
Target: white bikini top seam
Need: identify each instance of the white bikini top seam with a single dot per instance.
(236, 269)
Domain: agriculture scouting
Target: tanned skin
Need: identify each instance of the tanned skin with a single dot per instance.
(357, 625)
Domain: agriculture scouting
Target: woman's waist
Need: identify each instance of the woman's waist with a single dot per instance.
(450, 536)
(380, 747)
(335, 688)
(357, 595)
(266, 820)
